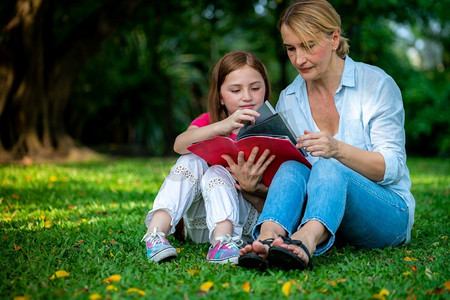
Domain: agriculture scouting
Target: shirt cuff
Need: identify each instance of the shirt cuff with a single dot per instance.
(392, 168)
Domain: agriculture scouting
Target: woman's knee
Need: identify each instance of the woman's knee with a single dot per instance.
(292, 171)
(327, 170)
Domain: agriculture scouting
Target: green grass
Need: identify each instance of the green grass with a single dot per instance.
(87, 219)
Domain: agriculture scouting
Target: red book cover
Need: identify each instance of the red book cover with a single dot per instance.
(283, 149)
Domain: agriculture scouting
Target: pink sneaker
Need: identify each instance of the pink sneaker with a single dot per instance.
(225, 251)
(158, 247)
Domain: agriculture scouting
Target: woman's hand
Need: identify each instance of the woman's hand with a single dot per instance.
(320, 144)
(248, 174)
(238, 118)
(367, 163)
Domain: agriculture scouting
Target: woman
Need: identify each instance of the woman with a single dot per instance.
(351, 116)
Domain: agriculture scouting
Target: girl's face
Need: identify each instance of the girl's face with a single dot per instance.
(242, 88)
(311, 63)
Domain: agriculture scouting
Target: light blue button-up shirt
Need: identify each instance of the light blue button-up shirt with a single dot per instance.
(371, 112)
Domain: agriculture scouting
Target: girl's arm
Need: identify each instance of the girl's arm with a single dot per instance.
(196, 134)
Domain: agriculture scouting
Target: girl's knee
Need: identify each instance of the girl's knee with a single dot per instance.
(191, 161)
(217, 175)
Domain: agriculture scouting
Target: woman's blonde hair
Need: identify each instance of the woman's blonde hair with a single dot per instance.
(314, 18)
(230, 62)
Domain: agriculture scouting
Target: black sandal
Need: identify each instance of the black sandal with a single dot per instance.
(253, 260)
(285, 259)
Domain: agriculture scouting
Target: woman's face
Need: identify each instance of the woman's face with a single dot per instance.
(311, 63)
(242, 88)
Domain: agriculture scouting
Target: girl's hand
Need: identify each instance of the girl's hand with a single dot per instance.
(319, 144)
(238, 118)
(248, 174)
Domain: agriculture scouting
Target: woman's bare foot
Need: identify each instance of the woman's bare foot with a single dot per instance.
(257, 247)
(297, 250)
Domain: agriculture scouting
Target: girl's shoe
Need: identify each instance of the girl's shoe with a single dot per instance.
(225, 251)
(158, 247)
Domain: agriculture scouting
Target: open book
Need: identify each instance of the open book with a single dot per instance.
(277, 142)
(269, 123)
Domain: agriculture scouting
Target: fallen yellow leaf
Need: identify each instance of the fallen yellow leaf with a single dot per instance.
(286, 288)
(113, 278)
(135, 290)
(246, 286)
(17, 248)
(95, 297)
(192, 272)
(25, 297)
(206, 286)
(409, 258)
(59, 274)
(447, 285)
(111, 287)
(381, 295)
(47, 223)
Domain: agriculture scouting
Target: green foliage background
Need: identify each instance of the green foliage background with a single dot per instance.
(151, 79)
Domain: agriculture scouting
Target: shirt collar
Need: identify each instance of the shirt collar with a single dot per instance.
(348, 75)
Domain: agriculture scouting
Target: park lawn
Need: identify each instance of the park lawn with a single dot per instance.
(74, 231)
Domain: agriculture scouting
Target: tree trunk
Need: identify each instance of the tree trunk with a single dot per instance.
(36, 77)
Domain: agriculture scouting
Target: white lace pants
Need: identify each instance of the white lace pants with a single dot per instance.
(204, 196)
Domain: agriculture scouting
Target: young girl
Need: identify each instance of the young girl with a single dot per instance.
(217, 204)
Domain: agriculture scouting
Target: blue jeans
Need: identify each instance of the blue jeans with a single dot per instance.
(357, 210)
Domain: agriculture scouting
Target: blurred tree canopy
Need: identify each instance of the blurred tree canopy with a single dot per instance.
(135, 73)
